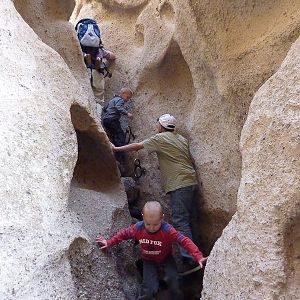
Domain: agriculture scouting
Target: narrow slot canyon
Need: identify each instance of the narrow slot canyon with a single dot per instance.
(98, 203)
(228, 72)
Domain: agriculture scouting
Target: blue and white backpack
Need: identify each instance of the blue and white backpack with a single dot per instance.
(88, 33)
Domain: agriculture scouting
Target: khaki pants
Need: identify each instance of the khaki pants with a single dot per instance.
(98, 86)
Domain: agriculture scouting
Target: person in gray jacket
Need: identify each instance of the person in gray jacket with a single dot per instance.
(112, 113)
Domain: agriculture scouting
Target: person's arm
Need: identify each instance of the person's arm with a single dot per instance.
(125, 234)
(119, 106)
(202, 261)
(109, 55)
(188, 245)
(128, 148)
(102, 242)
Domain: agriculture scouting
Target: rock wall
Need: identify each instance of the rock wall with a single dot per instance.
(49, 20)
(201, 61)
(49, 135)
(256, 256)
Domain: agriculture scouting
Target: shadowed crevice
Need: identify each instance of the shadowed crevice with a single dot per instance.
(96, 167)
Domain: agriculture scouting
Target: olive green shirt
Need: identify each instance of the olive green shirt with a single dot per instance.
(175, 162)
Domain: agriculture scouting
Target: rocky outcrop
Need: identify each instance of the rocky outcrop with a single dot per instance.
(199, 60)
(256, 257)
(49, 20)
(203, 62)
(49, 135)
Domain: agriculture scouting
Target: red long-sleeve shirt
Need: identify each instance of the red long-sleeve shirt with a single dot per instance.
(156, 246)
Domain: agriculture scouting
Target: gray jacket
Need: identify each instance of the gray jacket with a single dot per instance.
(114, 109)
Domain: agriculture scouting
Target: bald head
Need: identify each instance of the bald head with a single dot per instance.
(152, 216)
(126, 93)
(153, 208)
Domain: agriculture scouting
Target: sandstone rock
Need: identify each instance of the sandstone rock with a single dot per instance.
(256, 256)
(203, 62)
(44, 112)
(198, 60)
(49, 20)
(96, 275)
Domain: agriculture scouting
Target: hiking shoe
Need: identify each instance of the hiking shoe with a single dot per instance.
(187, 269)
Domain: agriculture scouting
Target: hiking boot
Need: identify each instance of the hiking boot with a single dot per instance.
(186, 269)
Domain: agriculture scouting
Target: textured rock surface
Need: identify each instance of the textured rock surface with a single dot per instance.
(257, 256)
(201, 61)
(95, 275)
(49, 20)
(43, 238)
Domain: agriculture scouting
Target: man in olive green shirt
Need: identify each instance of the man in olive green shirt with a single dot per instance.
(179, 178)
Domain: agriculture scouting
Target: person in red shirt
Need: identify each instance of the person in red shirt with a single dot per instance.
(156, 237)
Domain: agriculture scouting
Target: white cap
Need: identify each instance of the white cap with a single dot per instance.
(167, 121)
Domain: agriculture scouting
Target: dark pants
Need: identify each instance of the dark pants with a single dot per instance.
(117, 135)
(184, 206)
(150, 278)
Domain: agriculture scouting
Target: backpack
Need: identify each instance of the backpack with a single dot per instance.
(88, 33)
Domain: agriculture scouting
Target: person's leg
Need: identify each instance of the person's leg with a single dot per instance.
(172, 279)
(119, 140)
(182, 201)
(98, 86)
(113, 127)
(109, 128)
(88, 60)
(119, 136)
(150, 279)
